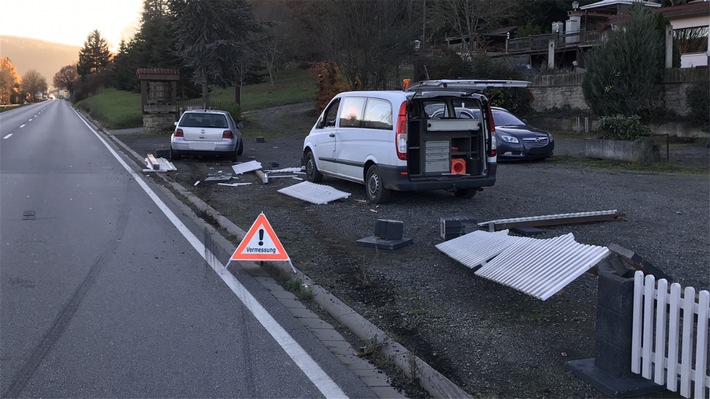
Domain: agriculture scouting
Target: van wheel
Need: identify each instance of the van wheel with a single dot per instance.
(465, 193)
(375, 189)
(312, 173)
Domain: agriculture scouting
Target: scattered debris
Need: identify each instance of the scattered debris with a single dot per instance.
(527, 231)
(154, 164)
(263, 176)
(553, 220)
(233, 184)
(287, 170)
(218, 178)
(196, 183)
(274, 164)
(282, 176)
(245, 167)
(314, 193)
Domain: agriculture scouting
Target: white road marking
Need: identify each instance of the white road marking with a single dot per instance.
(7, 137)
(305, 362)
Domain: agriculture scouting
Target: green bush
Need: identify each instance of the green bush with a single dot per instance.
(623, 127)
(623, 74)
(698, 98)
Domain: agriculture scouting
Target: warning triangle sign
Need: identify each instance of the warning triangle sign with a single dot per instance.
(260, 243)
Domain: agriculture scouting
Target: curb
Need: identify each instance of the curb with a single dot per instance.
(411, 365)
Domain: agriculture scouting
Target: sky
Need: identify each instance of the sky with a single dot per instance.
(70, 21)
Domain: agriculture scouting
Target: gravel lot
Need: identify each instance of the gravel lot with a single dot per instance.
(490, 340)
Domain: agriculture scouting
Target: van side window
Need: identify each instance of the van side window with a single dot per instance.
(378, 114)
(330, 115)
(351, 111)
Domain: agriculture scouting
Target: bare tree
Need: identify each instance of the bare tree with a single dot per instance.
(33, 83)
(468, 18)
(369, 39)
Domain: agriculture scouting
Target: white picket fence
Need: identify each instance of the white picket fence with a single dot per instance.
(670, 336)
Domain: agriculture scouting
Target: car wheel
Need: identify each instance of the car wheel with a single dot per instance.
(374, 187)
(312, 173)
(173, 155)
(240, 149)
(235, 155)
(465, 193)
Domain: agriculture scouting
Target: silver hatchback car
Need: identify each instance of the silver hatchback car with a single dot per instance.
(206, 132)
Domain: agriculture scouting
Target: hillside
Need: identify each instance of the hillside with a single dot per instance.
(44, 57)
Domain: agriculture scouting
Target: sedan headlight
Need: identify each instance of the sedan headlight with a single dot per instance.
(509, 139)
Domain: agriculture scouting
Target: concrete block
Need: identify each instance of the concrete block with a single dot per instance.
(613, 360)
(389, 229)
(614, 328)
(615, 293)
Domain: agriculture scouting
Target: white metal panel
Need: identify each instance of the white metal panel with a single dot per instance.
(542, 267)
(476, 248)
(245, 167)
(549, 217)
(314, 193)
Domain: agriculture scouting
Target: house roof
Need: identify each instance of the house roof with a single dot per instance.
(158, 74)
(613, 3)
(696, 9)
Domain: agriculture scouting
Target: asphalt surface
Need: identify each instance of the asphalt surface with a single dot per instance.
(109, 288)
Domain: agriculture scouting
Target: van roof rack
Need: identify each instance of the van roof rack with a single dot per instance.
(470, 85)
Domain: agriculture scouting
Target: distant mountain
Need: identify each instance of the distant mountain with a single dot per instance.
(44, 57)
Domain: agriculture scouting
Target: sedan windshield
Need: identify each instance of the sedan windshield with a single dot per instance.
(503, 118)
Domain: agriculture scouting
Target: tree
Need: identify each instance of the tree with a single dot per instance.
(623, 73)
(32, 84)
(66, 78)
(468, 18)
(9, 82)
(213, 38)
(94, 57)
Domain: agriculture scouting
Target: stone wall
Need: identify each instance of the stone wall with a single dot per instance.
(565, 90)
(159, 123)
(559, 91)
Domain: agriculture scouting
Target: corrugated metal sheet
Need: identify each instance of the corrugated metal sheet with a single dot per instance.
(541, 268)
(478, 247)
(314, 193)
(537, 267)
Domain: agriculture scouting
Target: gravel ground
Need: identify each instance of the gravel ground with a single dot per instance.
(489, 339)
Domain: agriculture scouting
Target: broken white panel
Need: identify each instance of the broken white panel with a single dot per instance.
(314, 193)
(542, 267)
(286, 170)
(281, 176)
(478, 247)
(245, 167)
(233, 184)
(163, 165)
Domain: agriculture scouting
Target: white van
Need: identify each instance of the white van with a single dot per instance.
(409, 140)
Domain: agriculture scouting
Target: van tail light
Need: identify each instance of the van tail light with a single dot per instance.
(227, 134)
(400, 137)
(493, 151)
(179, 133)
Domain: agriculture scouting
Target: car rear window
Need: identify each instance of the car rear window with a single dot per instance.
(204, 120)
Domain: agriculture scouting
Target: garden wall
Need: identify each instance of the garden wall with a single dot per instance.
(565, 90)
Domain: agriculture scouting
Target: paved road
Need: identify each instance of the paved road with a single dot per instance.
(107, 290)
